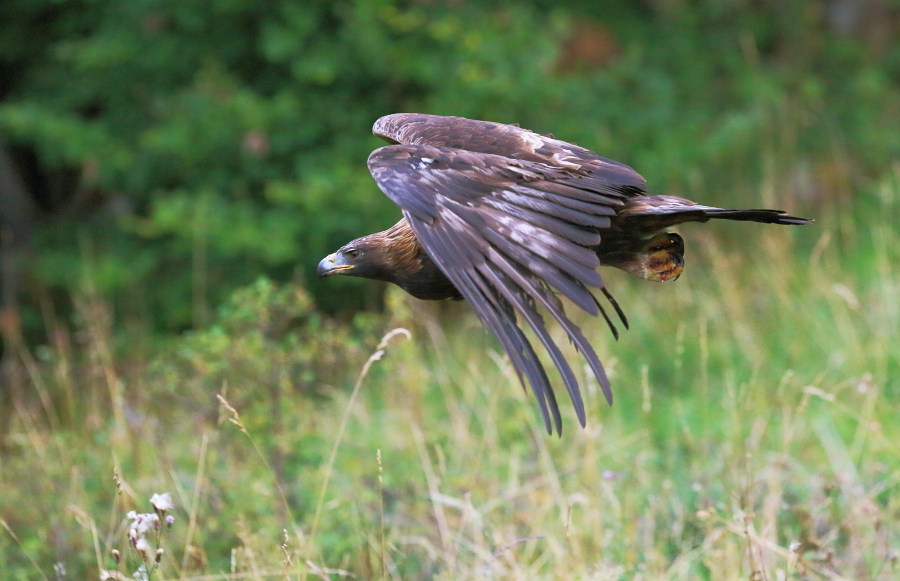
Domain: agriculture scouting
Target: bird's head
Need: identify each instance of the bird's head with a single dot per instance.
(363, 257)
(387, 255)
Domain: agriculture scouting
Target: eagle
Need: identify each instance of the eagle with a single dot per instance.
(512, 221)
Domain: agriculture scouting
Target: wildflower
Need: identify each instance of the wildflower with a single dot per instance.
(104, 575)
(139, 526)
(161, 502)
(143, 522)
(141, 574)
(143, 547)
(117, 556)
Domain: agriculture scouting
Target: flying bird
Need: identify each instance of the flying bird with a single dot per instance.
(511, 221)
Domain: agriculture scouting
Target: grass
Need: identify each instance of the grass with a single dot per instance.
(754, 433)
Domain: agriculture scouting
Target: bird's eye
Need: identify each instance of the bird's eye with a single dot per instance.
(352, 253)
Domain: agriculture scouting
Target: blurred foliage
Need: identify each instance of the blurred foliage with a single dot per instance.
(200, 143)
(272, 338)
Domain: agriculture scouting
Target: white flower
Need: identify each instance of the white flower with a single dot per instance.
(104, 575)
(161, 502)
(143, 547)
(143, 522)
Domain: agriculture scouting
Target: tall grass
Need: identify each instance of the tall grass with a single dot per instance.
(754, 433)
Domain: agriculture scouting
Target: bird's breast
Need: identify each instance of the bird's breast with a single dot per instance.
(428, 283)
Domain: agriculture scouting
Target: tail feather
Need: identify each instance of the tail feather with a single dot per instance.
(645, 215)
(756, 215)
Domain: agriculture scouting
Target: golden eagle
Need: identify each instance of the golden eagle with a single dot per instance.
(508, 220)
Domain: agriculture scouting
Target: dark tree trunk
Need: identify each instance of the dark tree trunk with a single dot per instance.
(16, 218)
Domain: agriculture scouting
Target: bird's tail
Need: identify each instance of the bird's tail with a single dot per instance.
(646, 215)
(756, 215)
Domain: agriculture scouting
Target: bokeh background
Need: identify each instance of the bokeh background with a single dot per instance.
(171, 173)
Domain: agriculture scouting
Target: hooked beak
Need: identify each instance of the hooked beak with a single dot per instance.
(332, 265)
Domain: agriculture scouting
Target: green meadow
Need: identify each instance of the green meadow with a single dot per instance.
(307, 431)
(753, 434)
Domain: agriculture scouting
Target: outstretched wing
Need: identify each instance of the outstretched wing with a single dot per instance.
(509, 234)
(588, 170)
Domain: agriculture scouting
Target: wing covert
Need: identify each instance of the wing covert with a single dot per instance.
(589, 170)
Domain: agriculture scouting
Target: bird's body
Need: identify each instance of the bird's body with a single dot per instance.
(509, 220)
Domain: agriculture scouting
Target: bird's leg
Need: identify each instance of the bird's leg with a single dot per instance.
(659, 258)
(664, 257)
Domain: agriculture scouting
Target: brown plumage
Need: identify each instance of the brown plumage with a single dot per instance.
(509, 220)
